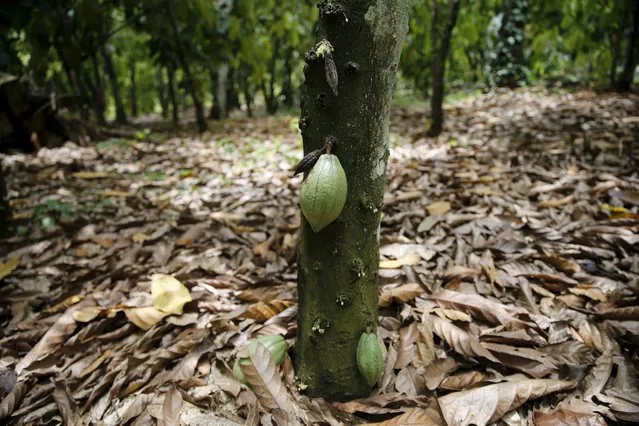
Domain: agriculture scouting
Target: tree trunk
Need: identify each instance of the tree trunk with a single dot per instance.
(337, 267)
(133, 94)
(99, 92)
(287, 84)
(162, 95)
(219, 81)
(627, 75)
(186, 68)
(5, 210)
(232, 98)
(439, 72)
(175, 109)
(120, 114)
(248, 98)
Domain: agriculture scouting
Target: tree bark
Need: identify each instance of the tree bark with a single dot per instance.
(120, 114)
(219, 81)
(5, 209)
(337, 267)
(627, 75)
(133, 90)
(439, 72)
(162, 95)
(186, 68)
(232, 98)
(175, 109)
(287, 84)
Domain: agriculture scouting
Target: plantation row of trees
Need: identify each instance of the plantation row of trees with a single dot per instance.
(124, 58)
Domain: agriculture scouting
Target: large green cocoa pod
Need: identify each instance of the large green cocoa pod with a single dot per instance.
(323, 193)
(274, 343)
(370, 359)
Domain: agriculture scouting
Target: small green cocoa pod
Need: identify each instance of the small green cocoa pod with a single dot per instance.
(370, 359)
(275, 344)
(323, 193)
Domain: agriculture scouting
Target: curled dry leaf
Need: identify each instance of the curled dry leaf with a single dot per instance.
(263, 311)
(13, 399)
(438, 208)
(403, 293)
(9, 266)
(192, 234)
(407, 349)
(487, 404)
(169, 295)
(264, 379)
(461, 342)
(461, 381)
(417, 416)
(145, 317)
(409, 259)
(425, 343)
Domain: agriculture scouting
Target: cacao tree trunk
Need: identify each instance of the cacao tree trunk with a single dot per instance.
(232, 97)
(219, 80)
(337, 267)
(162, 95)
(133, 90)
(5, 210)
(439, 71)
(175, 108)
(627, 75)
(109, 67)
(188, 75)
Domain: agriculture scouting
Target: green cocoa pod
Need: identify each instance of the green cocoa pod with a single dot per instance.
(237, 370)
(323, 193)
(275, 344)
(370, 359)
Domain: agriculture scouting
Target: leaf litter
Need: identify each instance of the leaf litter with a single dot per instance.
(509, 275)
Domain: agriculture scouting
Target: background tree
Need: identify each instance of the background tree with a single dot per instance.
(5, 210)
(337, 267)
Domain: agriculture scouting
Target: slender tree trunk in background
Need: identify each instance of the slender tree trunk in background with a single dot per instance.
(174, 104)
(628, 73)
(219, 81)
(5, 209)
(272, 103)
(162, 95)
(133, 94)
(287, 84)
(186, 68)
(99, 91)
(615, 44)
(120, 114)
(248, 98)
(96, 103)
(439, 72)
(337, 267)
(232, 97)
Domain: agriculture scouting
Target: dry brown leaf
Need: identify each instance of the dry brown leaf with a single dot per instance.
(438, 208)
(66, 405)
(590, 291)
(461, 342)
(595, 382)
(629, 313)
(192, 234)
(425, 343)
(409, 259)
(90, 175)
(462, 381)
(556, 202)
(416, 416)
(9, 266)
(171, 407)
(263, 311)
(11, 401)
(52, 339)
(562, 264)
(264, 379)
(407, 349)
(64, 305)
(438, 370)
(527, 360)
(402, 294)
(563, 417)
(145, 317)
(87, 314)
(487, 404)
(492, 312)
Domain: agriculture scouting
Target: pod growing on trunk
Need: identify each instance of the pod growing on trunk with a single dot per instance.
(323, 193)
(370, 359)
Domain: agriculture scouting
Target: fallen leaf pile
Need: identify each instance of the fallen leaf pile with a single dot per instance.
(509, 273)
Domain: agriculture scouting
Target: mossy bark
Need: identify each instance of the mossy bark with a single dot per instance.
(337, 267)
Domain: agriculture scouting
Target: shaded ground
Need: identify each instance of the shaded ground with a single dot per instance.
(508, 288)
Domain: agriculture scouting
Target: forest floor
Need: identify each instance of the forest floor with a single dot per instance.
(509, 277)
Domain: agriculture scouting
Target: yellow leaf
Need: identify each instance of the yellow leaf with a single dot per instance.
(9, 266)
(169, 295)
(438, 208)
(114, 193)
(64, 305)
(87, 314)
(139, 237)
(146, 317)
(90, 175)
(409, 259)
